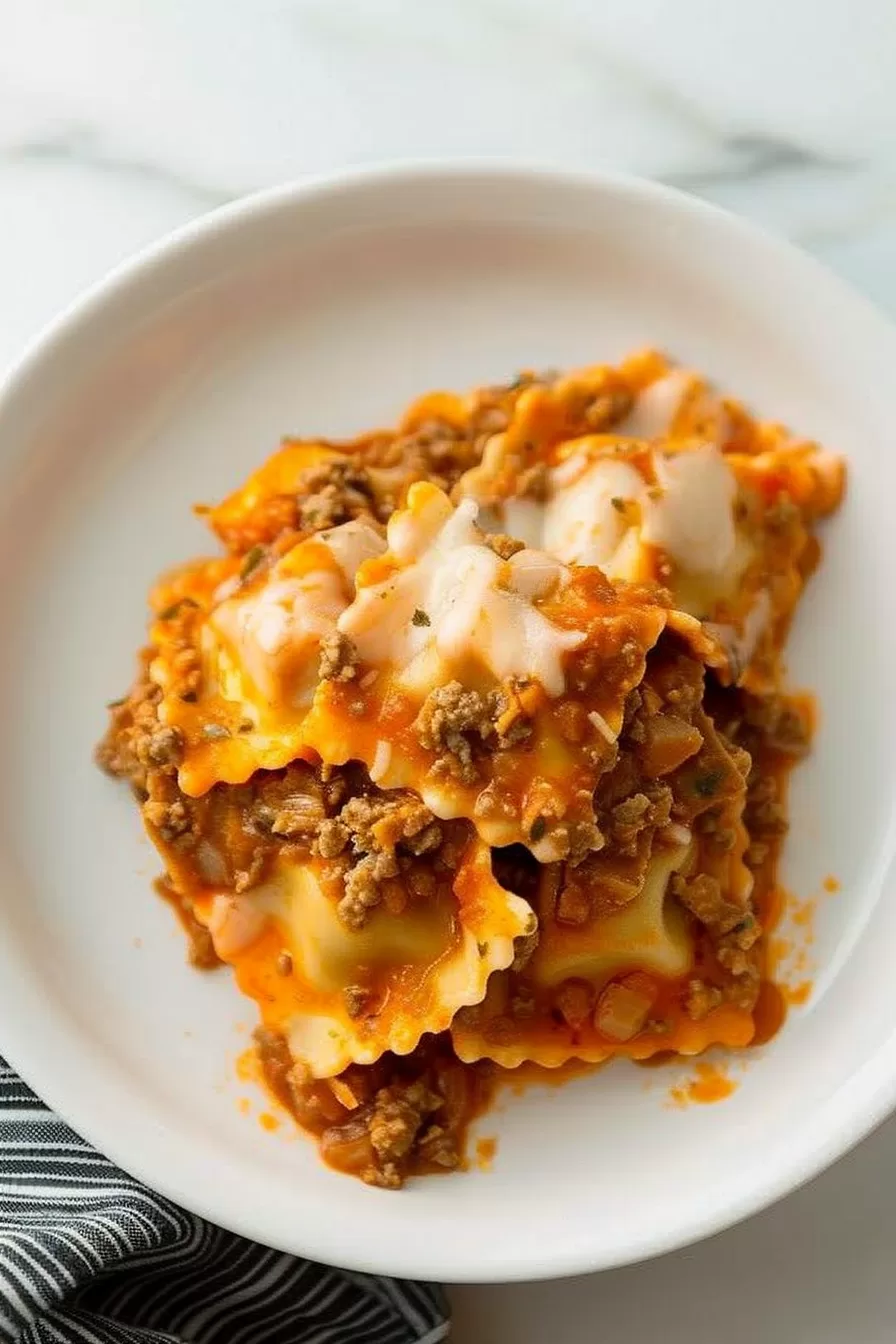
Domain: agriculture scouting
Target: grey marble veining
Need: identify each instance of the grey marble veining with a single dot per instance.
(126, 118)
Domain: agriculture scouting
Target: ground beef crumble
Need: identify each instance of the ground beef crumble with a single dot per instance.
(503, 545)
(335, 492)
(670, 768)
(703, 896)
(459, 725)
(379, 837)
(451, 719)
(385, 1121)
(338, 658)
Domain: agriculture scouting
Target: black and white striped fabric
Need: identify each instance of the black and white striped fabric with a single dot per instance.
(90, 1256)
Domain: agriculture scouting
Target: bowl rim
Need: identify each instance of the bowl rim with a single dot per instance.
(835, 1130)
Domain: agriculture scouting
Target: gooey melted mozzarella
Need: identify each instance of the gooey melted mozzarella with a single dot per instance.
(688, 513)
(271, 636)
(602, 510)
(450, 598)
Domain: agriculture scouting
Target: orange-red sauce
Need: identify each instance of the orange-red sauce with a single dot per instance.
(485, 1153)
(710, 1083)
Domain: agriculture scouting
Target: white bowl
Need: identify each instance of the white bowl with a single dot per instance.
(324, 307)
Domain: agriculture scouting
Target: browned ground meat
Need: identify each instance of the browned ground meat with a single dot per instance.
(703, 896)
(124, 750)
(377, 837)
(450, 719)
(335, 492)
(701, 998)
(671, 765)
(459, 725)
(338, 658)
(398, 1113)
(387, 1120)
(357, 999)
(292, 803)
(606, 410)
(364, 888)
(380, 821)
(779, 722)
(504, 546)
(648, 810)
(439, 452)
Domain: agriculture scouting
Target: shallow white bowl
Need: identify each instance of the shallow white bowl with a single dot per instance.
(323, 308)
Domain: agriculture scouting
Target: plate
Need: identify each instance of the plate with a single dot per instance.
(323, 308)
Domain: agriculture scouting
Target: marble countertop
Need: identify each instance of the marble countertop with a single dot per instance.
(121, 119)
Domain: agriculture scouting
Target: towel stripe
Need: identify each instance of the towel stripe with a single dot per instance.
(89, 1256)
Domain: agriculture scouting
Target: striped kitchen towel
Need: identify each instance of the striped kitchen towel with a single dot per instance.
(90, 1256)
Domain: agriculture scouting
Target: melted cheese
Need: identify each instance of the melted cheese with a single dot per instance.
(656, 408)
(677, 491)
(692, 520)
(450, 599)
(423, 964)
(582, 524)
(603, 509)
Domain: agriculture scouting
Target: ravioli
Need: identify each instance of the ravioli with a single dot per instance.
(616, 938)
(345, 996)
(685, 491)
(251, 644)
(605, 990)
(494, 687)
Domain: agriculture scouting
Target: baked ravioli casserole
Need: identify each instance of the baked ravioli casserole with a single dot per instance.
(470, 748)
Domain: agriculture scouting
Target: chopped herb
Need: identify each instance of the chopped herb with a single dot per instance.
(518, 382)
(537, 832)
(707, 786)
(215, 732)
(482, 949)
(182, 604)
(114, 704)
(253, 559)
(420, 618)
(618, 503)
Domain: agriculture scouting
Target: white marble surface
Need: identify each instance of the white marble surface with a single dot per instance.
(120, 119)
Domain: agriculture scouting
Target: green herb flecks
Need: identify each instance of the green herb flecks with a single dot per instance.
(215, 732)
(707, 785)
(538, 830)
(253, 559)
(182, 604)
